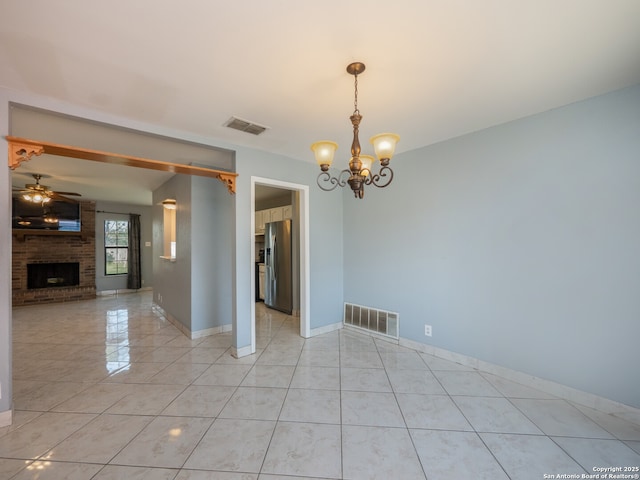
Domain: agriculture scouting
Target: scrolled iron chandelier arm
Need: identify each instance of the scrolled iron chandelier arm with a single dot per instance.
(359, 172)
(380, 179)
(327, 179)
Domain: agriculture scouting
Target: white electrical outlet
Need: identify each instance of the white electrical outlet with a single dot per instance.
(427, 330)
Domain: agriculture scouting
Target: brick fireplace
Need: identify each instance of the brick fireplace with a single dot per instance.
(40, 251)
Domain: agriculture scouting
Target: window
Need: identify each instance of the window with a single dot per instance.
(116, 247)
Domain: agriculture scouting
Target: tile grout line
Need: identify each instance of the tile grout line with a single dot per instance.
(395, 396)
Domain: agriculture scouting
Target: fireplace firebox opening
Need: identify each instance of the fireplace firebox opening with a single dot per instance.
(50, 275)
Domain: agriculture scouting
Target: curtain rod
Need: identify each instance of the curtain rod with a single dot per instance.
(117, 213)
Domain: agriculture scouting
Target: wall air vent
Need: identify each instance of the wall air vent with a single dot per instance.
(376, 321)
(244, 126)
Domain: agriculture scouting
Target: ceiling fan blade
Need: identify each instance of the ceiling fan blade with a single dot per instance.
(67, 193)
(62, 198)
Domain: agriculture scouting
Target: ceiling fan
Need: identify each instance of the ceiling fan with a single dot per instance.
(37, 193)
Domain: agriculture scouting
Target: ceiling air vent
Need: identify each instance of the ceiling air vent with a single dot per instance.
(244, 126)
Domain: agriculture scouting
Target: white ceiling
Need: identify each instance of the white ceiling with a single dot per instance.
(435, 69)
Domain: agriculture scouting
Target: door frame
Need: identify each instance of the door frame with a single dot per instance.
(303, 248)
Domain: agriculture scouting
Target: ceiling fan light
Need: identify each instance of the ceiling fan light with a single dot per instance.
(27, 197)
(324, 152)
(384, 145)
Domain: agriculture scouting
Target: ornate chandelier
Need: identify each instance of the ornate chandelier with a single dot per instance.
(359, 172)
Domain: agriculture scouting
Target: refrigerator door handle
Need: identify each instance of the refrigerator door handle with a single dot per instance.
(275, 257)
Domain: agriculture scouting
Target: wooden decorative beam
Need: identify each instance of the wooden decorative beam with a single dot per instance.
(22, 149)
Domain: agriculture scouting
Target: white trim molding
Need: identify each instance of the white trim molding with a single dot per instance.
(586, 399)
(326, 329)
(185, 330)
(241, 352)
(605, 405)
(304, 248)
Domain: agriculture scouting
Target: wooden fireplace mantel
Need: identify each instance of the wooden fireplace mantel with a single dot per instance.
(20, 234)
(22, 149)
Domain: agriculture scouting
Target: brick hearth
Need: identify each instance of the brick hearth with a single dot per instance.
(56, 248)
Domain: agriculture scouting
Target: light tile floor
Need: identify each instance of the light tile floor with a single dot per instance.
(107, 389)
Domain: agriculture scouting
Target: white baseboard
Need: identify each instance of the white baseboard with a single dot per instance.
(6, 418)
(562, 391)
(326, 329)
(241, 352)
(365, 331)
(120, 291)
(579, 397)
(185, 330)
(210, 331)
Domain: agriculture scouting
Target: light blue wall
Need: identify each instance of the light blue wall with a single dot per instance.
(211, 243)
(519, 244)
(119, 282)
(172, 279)
(196, 288)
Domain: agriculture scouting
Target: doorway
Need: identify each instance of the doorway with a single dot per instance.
(300, 217)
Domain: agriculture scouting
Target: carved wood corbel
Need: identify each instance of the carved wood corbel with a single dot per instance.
(22, 152)
(229, 180)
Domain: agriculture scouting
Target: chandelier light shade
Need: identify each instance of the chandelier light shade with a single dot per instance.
(384, 145)
(324, 152)
(360, 171)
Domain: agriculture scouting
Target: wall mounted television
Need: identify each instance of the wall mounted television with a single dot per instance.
(31, 216)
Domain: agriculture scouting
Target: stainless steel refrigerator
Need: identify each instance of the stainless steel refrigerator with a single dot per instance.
(278, 272)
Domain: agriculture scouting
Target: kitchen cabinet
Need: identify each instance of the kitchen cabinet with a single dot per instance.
(276, 214)
(260, 221)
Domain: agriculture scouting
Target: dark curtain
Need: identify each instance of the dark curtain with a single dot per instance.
(134, 279)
